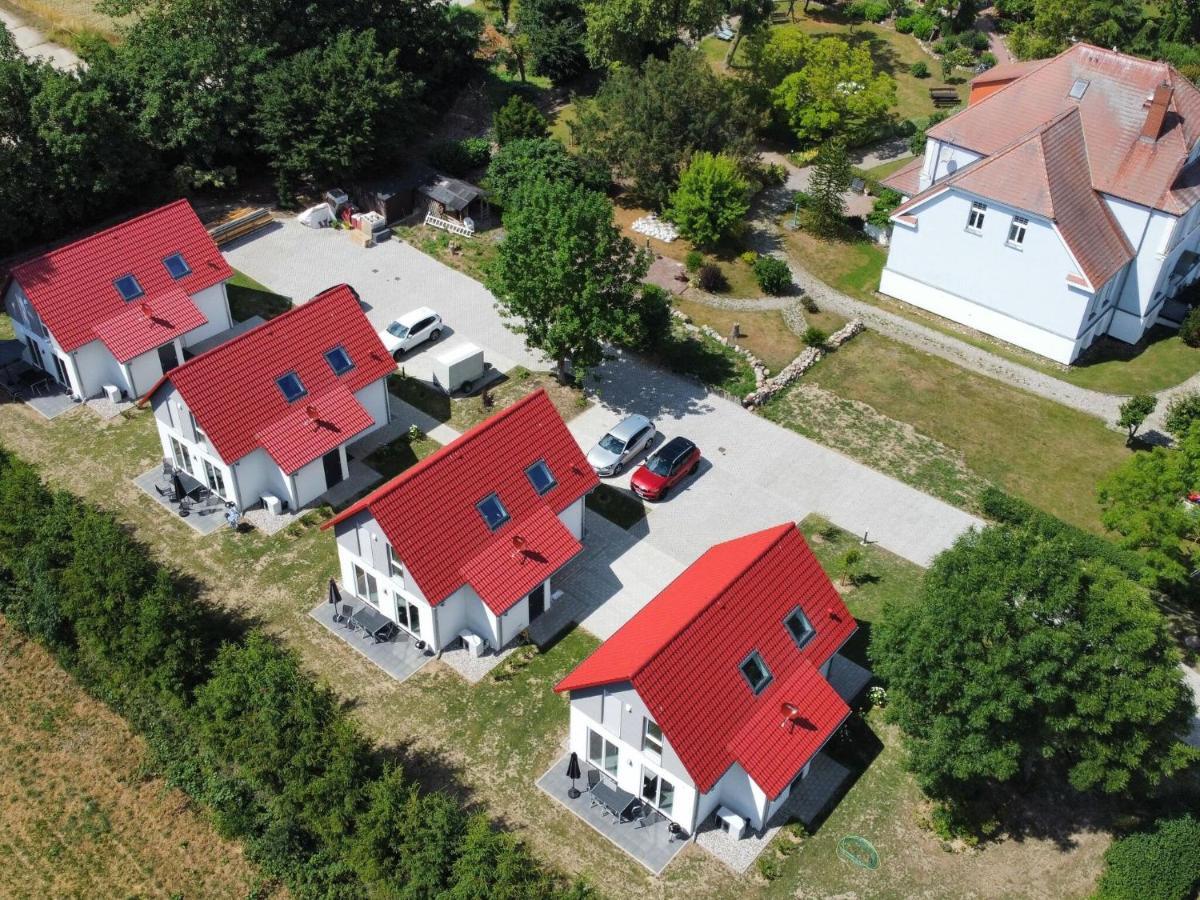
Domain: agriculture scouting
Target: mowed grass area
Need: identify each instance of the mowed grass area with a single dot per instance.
(764, 333)
(248, 297)
(470, 255)
(1047, 453)
(78, 816)
(852, 267)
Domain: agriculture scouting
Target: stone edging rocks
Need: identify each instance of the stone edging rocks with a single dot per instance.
(806, 360)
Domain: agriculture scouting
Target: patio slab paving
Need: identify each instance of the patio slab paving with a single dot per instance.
(653, 846)
(398, 657)
(201, 521)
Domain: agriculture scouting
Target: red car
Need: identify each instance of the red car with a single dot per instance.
(665, 467)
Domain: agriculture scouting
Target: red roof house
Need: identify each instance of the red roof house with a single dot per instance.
(118, 307)
(467, 539)
(728, 670)
(274, 408)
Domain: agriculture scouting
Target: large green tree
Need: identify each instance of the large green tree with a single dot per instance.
(625, 31)
(1021, 659)
(566, 275)
(1056, 23)
(711, 200)
(835, 93)
(555, 29)
(522, 162)
(826, 211)
(644, 125)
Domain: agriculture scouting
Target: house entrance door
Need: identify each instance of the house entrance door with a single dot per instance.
(537, 601)
(168, 357)
(332, 461)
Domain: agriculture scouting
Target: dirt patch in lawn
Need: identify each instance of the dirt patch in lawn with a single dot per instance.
(78, 818)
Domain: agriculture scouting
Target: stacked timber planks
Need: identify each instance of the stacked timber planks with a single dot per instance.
(239, 223)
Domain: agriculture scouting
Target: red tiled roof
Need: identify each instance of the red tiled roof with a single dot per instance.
(143, 325)
(683, 651)
(428, 513)
(906, 179)
(1006, 71)
(232, 393)
(72, 288)
(1113, 110)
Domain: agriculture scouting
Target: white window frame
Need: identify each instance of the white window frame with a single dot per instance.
(215, 478)
(1016, 232)
(395, 565)
(602, 760)
(183, 459)
(366, 585)
(976, 217)
(201, 435)
(656, 798)
(653, 746)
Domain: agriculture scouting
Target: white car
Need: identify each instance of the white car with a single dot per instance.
(411, 329)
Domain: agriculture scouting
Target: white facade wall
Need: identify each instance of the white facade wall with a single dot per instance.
(942, 159)
(374, 399)
(97, 367)
(214, 303)
(172, 418)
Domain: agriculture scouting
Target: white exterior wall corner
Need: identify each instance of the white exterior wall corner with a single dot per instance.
(213, 302)
(374, 399)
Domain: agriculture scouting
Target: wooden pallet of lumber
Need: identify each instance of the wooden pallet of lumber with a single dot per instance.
(239, 223)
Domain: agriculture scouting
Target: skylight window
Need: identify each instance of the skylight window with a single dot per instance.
(755, 671)
(176, 266)
(540, 477)
(291, 386)
(493, 511)
(339, 360)
(799, 627)
(1078, 88)
(127, 286)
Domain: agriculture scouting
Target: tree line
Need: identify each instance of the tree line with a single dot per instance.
(198, 93)
(231, 718)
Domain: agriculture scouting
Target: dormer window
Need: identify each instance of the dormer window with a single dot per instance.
(339, 360)
(176, 266)
(539, 476)
(975, 217)
(493, 511)
(755, 671)
(799, 627)
(1016, 231)
(127, 286)
(291, 387)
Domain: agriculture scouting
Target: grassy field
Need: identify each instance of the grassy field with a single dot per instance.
(708, 360)
(248, 297)
(852, 267)
(765, 333)
(472, 256)
(64, 21)
(78, 816)
(1047, 453)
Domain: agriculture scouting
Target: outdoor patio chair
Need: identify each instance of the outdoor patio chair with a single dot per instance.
(347, 612)
(648, 817)
(593, 778)
(168, 468)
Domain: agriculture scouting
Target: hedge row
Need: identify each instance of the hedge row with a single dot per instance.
(1161, 863)
(230, 718)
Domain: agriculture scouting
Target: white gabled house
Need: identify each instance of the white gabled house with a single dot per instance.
(1061, 205)
(271, 411)
(118, 307)
(716, 697)
(464, 545)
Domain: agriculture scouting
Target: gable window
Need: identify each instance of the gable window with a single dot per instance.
(339, 360)
(127, 286)
(975, 217)
(200, 435)
(652, 739)
(602, 753)
(539, 476)
(755, 671)
(176, 266)
(799, 627)
(493, 511)
(394, 565)
(1016, 231)
(291, 386)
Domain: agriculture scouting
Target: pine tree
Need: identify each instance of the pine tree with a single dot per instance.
(830, 179)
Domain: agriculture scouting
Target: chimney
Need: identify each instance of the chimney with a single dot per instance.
(1157, 113)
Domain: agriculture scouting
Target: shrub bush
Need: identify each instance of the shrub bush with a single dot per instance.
(975, 40)
(694, 260)
(749, 257)
(656, 317)
(869, 10)
(809, 304)
(814, 336)
(1182, 412)
(1162, 863)
(519, 119)
(773, 275)
(1190, 330)
(712, 279)
(919, 69)
(987, 58)
(459, 158)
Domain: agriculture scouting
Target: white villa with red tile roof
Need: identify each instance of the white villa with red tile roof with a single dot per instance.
(1059, 206)
(119, 307)
(465, 543)
(717, 696)
(271, 411)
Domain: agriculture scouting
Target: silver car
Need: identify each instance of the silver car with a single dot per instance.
(620, 445)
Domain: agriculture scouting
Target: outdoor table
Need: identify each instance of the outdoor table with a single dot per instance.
(614, 799)
(370, 620)
(191, 485)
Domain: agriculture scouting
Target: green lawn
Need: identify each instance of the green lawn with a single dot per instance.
(1047, 453)
(764, 332)
(852, 267)
(6, 328)
(882, 171)
(464, 413)
(470, 255)
(710, 361)
(249, 298)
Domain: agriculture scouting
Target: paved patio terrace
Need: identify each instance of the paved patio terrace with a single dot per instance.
(398, 657)
(653, 846)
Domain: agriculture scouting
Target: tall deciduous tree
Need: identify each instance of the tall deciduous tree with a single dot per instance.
(524, 161)
(711, 199)
(567, 276)
(556, 31)
(1023, 660)
(626, 30)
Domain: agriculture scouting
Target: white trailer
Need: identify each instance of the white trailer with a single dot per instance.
(459, 368)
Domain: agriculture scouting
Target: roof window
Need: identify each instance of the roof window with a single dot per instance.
(755, 671)
(493, 511)
(127, 286)
(291, 386)
(339, 360)
(1078, 88)
(540, 477)
(799, 627)
(176, 266)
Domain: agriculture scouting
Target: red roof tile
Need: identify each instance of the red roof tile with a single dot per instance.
(143, 325)
(683, 651)
(906, 179)
(231, 389)
(72, 288)
(429, 515)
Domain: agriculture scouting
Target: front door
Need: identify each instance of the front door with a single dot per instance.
(332, 461)
(537, 601)
(168, 357)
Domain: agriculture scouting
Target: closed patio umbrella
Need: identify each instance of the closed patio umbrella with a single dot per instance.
(177, 487)
(335, 596)
(573, 773)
